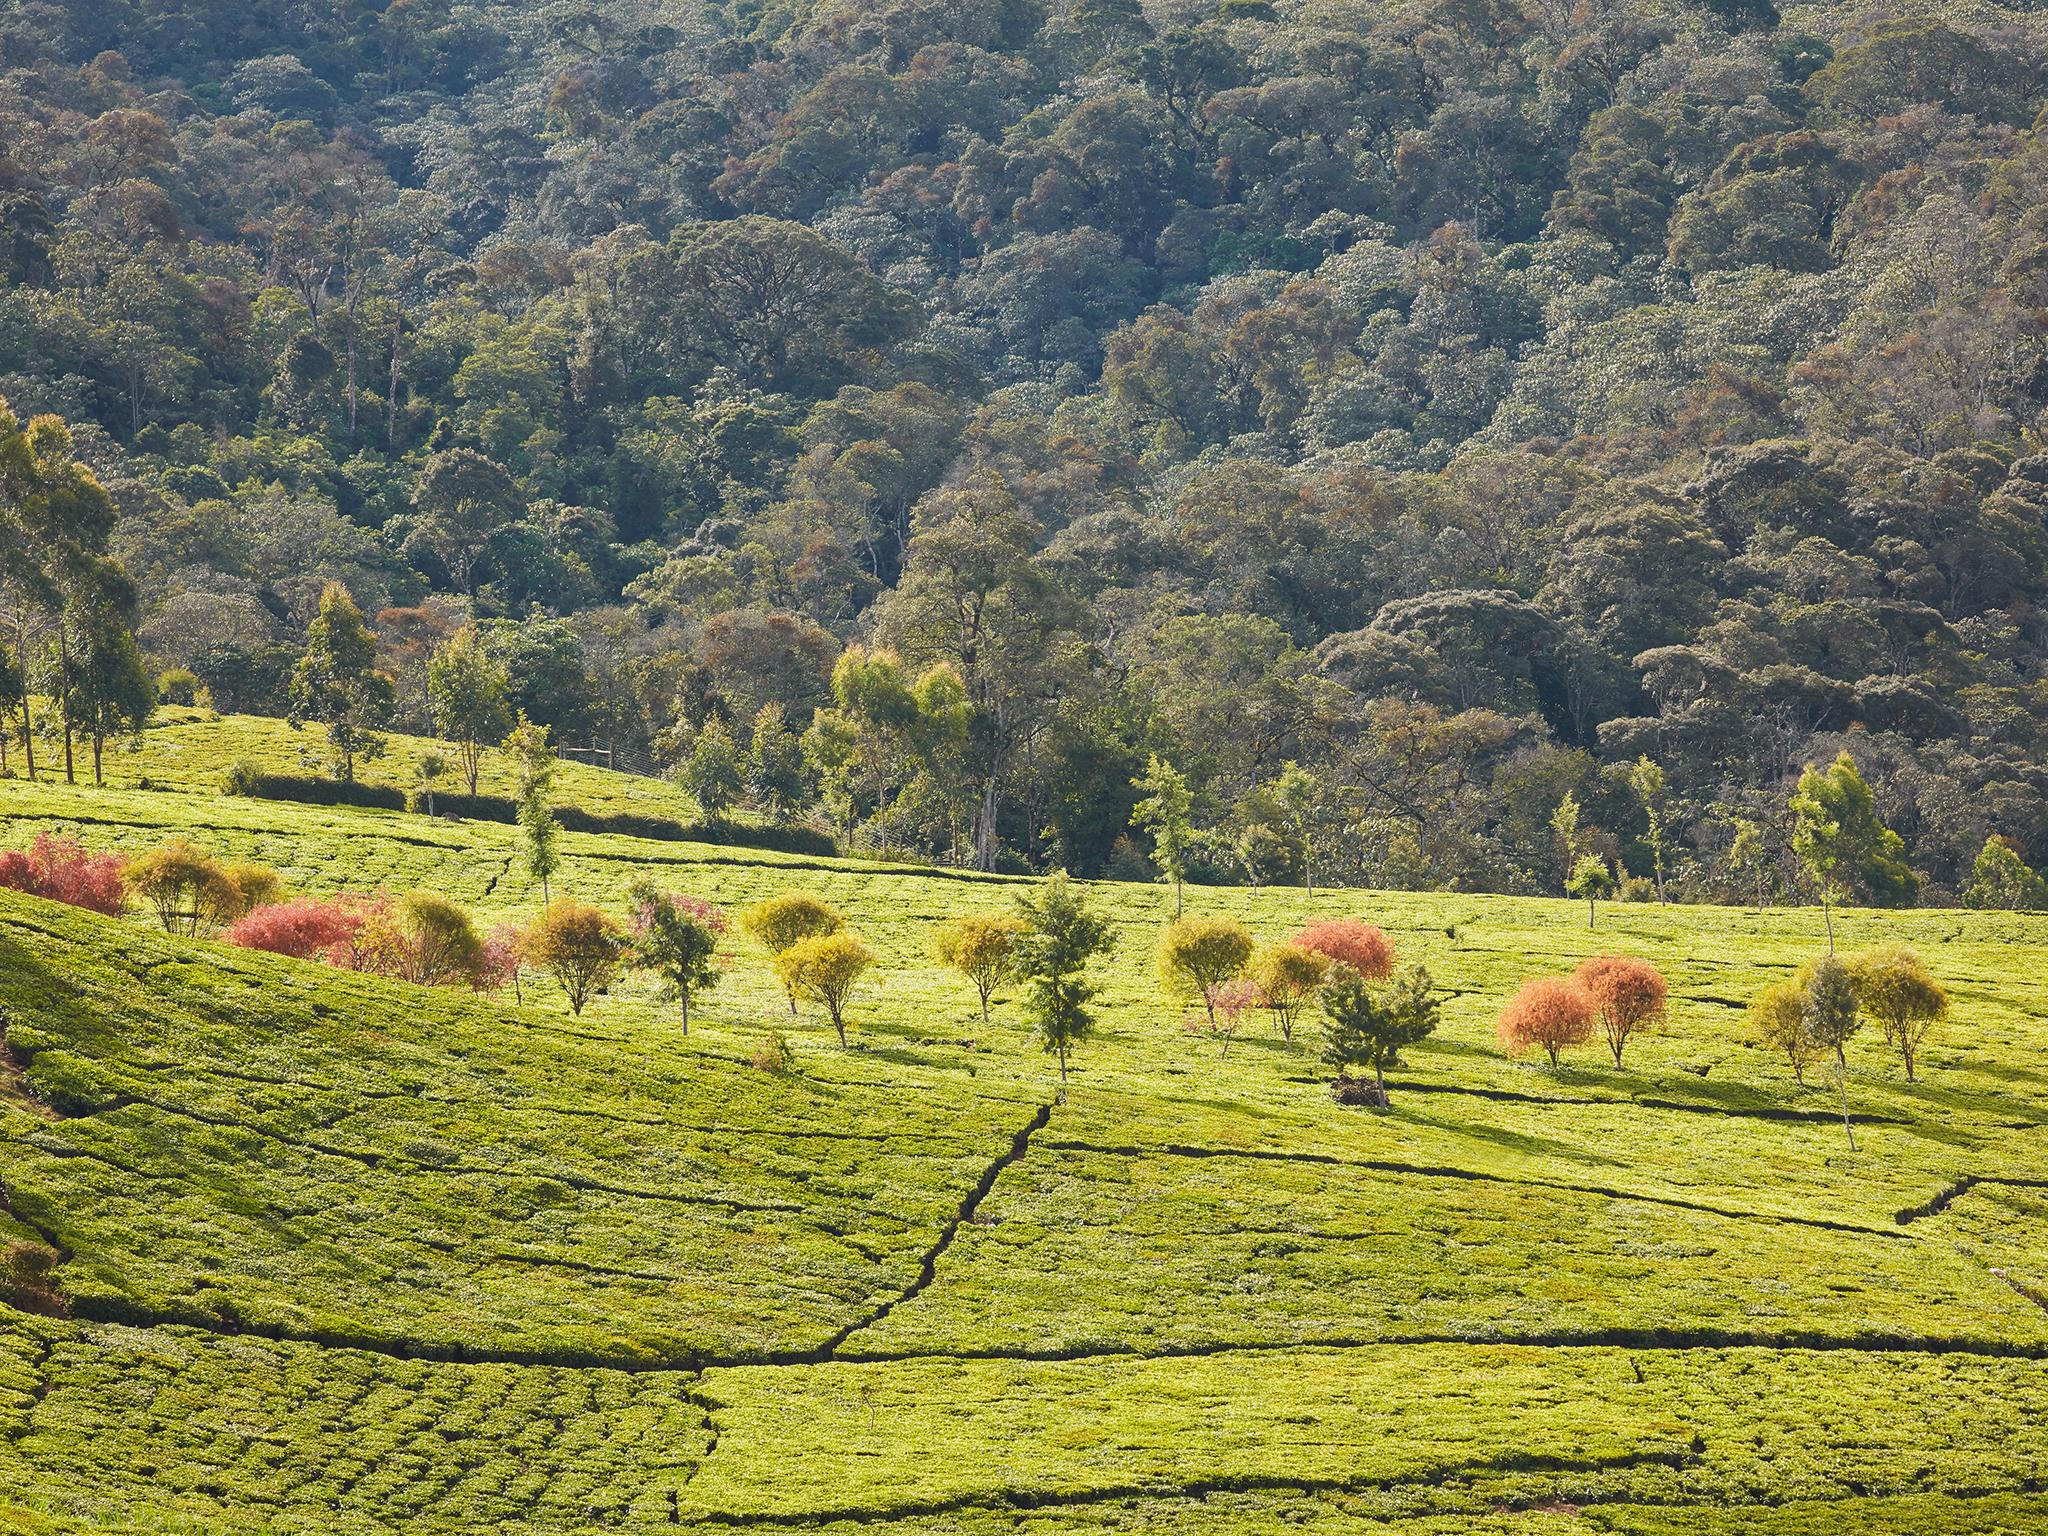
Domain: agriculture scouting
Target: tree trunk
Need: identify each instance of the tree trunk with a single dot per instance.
(686, 1010)
(349, 375)
(99, 779)
(1063, 1064)
(391, 391)
(840, 1025)
(28, 725)
(985, 827)
(1589, 911)
(1842, 1082)
(64, 698)
(1379, 1077)
(1827, 912)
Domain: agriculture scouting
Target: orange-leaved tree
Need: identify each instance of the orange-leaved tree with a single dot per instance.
(1350, 941)
(578, 945)
(1548, 1014)
(1628, 995)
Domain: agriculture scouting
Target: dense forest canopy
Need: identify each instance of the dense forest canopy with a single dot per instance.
(1395, 418)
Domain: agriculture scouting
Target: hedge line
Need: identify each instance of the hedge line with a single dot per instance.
(728, 834)
(310, 790)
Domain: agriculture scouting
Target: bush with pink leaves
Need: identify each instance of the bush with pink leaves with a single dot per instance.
(59, 869)
(1227, 1003)
(307, 928)
(499, 966)
(1350, 941)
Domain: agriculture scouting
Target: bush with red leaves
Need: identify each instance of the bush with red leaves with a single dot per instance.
(1547, 1015)
(59, 869)
(307, 928)
(1350, 941)
(1628, 995)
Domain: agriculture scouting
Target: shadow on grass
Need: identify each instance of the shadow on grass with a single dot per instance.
(1501, 1137)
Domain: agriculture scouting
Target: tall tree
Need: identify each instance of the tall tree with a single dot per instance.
(1647, 780)
(107, 689)
(534, 762)
(466, 697)
(55, 521)
(676, 937)
(1830, 1016)
(1061, 936)
(1167, 813)
(974, 596)
(337, 681)
(1368, 1023)
(1842, 845)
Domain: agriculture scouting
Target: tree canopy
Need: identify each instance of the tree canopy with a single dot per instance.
(1332, 434)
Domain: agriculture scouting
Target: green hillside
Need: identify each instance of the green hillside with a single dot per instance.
(341, 1254)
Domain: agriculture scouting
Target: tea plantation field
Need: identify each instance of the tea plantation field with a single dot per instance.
(342, 1255)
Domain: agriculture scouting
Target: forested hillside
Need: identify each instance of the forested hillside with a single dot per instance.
(1394, 416)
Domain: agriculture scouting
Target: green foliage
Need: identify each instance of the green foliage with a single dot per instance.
(1591, 878)
(1165, 813)
(1287, 977)
(982, 946)
(824, 968)
(1369, 1023)
(776, 775)
(581, 947)
(1199, 954)
(428, 940)
(539, 832)
(1843, 846)
(1777, 1017)
(715, 771)
(1061, 936)
(785, 920)
(1830, 1016)
(466, 696)
(1894, 986)
(187, 891)
(677, 941)
(2000, 879)
(337, 682)
(592, 1232)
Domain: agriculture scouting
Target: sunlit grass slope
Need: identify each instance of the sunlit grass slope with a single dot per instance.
(345, 1255)
(191, 750)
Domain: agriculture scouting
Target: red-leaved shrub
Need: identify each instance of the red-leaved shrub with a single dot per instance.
(60, 869)
(308, 928)
(1628, 994)
(1227, 1003)
(696, 908)
(1547, 1015)
(1352, 942)
(498, 966)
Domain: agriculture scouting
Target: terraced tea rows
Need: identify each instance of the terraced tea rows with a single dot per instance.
(342, 1254)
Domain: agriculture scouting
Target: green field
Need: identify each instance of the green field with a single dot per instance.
(345, 1255)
